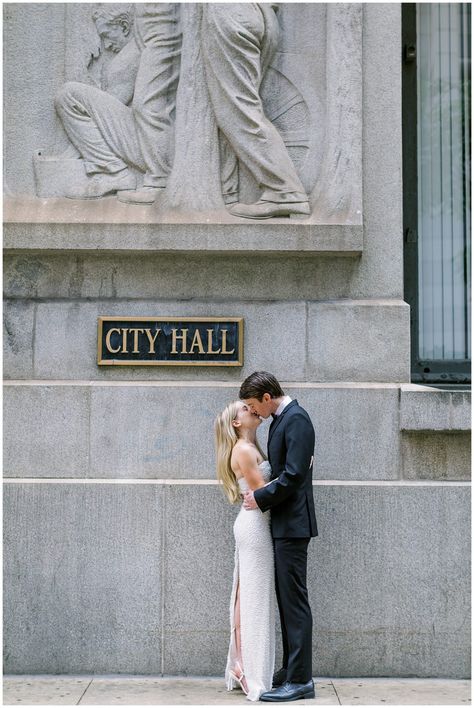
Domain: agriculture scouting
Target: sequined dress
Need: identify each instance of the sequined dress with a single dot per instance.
(254, 570)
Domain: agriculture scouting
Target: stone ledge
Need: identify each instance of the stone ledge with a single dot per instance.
(214, 233)
(174, 383)
(427, 409)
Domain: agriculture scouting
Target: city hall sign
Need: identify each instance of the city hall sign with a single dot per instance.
(170, 341)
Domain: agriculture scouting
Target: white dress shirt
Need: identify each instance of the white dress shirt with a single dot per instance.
(283, 405)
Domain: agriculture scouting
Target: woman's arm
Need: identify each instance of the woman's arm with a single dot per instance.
(245, 458)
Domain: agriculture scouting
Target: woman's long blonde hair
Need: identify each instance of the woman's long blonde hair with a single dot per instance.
(226, 437)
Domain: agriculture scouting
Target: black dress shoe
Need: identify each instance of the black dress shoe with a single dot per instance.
(289, 692)
(279, 677)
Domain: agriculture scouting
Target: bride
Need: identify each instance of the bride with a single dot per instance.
(241, 465)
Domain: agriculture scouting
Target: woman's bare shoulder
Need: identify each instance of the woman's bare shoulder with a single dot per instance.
(245, 448)
(243, 453)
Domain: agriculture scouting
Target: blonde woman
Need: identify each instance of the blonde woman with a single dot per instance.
(241, 465)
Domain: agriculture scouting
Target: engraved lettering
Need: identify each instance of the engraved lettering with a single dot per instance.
(174, 339)
(152, 340)
(197, 342)
(224, 343)
(136, 331)
(209, 343)
(107, 340)
(124, 340)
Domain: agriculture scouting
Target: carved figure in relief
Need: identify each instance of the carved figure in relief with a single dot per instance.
(99, 121)
(238, 41)
(158, 33)
(128, 121)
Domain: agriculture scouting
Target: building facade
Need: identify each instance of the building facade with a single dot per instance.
(118, 547)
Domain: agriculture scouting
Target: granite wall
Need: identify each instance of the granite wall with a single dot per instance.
(118, 549)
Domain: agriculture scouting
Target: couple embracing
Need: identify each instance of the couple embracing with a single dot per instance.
(272, 532)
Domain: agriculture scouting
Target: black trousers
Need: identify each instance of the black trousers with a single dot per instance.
(291, 560)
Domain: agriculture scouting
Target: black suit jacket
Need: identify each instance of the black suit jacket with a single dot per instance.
(290, 493)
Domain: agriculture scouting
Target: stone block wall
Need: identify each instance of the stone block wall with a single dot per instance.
(118, 548)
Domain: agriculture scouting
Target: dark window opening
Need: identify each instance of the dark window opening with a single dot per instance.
(436, 112)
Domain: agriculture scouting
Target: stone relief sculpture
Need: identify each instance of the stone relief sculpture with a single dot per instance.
(99, 121)
(238, 43)
(158, 33)
(205, 162)
(128, 122)
(207, 106)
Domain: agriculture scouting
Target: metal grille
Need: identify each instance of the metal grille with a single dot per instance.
(444, 187)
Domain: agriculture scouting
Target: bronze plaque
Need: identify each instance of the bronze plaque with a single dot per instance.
(170, 341)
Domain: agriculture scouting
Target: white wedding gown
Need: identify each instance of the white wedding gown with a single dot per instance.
(254, 570)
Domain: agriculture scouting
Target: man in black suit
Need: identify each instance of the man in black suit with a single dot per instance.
(289, 495)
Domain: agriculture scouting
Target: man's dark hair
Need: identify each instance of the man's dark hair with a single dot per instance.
(258, 383)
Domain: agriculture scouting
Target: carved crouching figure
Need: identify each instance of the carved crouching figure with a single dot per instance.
(100, 122)
(128, 121)
(238, 41)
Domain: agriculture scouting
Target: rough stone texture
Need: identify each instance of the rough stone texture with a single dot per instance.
(374, 276)
(34, 33)
(387, 578)
(358, 341)
(355, 434)
(196, 171)
(381, 270)
(66, 356)
(389, 581)
(95, 578)
(224, 277)
(423, 408)
(157, 432)
(46, 432)
(83, 574)
(436, 455)
(197, 613)
(18, 344)
(134, 229)
(337, 341)
(165, 432)
(306, 112)
(339, 189)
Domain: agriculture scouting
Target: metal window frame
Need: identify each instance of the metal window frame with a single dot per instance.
(422, 371)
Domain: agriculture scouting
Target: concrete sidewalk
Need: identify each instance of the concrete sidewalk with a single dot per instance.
(175, 690)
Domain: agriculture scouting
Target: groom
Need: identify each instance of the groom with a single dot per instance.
(293, 522)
